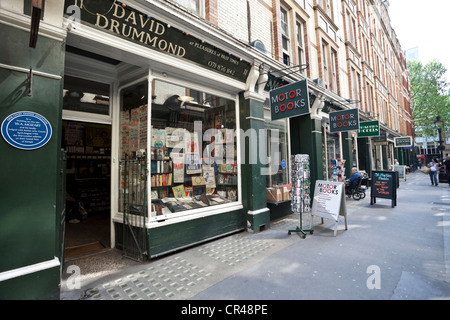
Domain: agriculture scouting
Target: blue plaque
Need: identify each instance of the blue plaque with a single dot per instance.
(283, 164)
(26, 130)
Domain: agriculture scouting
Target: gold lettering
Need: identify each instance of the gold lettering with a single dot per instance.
(142, 21)
(116, 13)
(162, 45)
(132, 16)
(172, 48)
(139, 35)
(97, 23)
(151, 26)
(160, 29)
(149, 40)
(181, 52)
(115, 26)
(129, 30)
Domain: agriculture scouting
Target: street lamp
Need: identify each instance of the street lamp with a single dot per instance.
(439, 123)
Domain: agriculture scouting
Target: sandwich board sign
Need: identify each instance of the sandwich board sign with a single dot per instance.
(384, 185)
(329, 202)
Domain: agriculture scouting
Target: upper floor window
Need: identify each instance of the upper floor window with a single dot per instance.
(329, 67)
(195, 6)
(327, 7)
(285, 36)
(300, 43)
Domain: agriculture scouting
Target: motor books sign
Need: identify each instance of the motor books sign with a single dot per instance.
(344, 120)
(329, 201)
(290, 100)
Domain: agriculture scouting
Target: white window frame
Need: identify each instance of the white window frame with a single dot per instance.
(162, 220)
(285, 34)
(301, 54)
(200, 10)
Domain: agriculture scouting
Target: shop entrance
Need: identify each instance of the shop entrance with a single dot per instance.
(88, 187)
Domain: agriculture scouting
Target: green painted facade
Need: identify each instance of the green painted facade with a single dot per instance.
(31, 206)
(251, 117)
(306, 138)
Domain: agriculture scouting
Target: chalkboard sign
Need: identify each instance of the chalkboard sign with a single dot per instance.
(384, 185)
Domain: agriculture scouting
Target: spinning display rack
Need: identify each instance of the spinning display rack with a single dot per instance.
(301, 191)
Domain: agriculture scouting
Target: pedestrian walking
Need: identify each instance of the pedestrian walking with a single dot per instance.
(447, 168)
(434, 169)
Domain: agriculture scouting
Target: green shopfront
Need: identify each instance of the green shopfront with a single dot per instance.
(153, 121)
(182, 107)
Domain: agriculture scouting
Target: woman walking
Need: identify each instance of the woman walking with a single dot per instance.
(434, 169)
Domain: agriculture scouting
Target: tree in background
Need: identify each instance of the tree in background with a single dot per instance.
(429, 97)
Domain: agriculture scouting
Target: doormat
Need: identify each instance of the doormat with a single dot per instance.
(83, 249)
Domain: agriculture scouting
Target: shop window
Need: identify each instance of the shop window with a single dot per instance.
(277, 151)
(133, 136)
(335, 163)
(85, 96)
(190, 146)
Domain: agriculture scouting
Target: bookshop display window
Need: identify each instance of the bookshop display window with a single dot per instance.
(133, 136)
(186, 139)
(335, 163)
(277, 173)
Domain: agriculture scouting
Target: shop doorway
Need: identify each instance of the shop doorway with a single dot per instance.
(88, 187)
(87, 141)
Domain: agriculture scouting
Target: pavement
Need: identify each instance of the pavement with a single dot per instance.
(400, 253)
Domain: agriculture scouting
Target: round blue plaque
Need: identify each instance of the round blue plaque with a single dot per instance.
(26, 130)
(283, 164)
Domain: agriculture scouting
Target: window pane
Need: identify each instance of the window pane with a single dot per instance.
(193, 150)
(284, 22)
(192, 5)
(277, 150)
(85, 96)
(133, 144)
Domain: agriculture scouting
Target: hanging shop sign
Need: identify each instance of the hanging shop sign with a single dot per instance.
(406, 141)
(274, 82)
(369, 129)
(290, 100)
(329, 201)
(384, 185)
(380, 140)
(344, 120)
(141, 28)
(26, 130)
